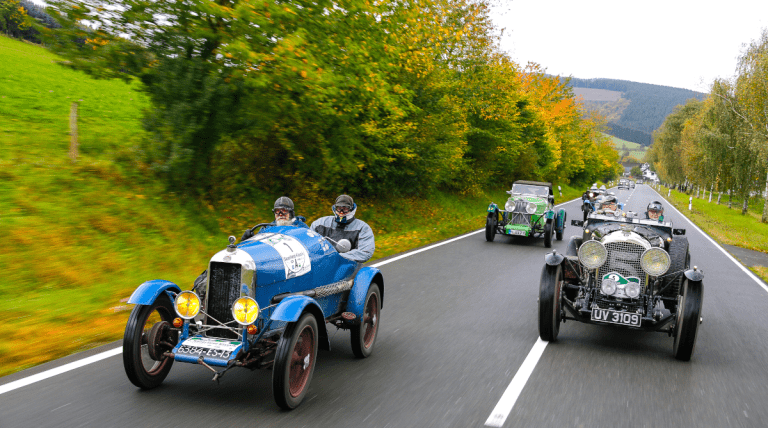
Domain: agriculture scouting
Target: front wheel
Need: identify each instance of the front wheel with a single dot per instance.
(688, 319)
(548, 234)
(550, 290)
(490, 227)
(364, 334)
(148, 368)
(295, 362)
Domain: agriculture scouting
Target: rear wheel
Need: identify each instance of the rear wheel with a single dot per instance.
(148, 326)
(490, 227)
(688, 319)
(550, 289)
(295, 362)
(364, 334)
(560, 219)
(548, 234)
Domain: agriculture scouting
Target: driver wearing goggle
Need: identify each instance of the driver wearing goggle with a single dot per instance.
(655, 211)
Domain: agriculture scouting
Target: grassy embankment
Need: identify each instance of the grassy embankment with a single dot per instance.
(79, 237)
(726, 225)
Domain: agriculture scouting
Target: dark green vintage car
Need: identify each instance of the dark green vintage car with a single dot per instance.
(529, 212)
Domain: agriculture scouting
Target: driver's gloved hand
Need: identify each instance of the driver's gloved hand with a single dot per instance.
(248, 234)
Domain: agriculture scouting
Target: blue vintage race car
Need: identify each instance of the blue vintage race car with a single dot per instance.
(265, 304)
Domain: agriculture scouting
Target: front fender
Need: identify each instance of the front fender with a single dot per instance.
(150, 290)
(363, 280)
(493, 208)
(549, 215)
(554, 258)
(560, 220)
(694, 274)
(291, 308)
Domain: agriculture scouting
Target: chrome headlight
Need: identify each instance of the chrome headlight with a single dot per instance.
(632, 289)
(608, 287)
(531, 208)
(592, 254)
(187, 304)
(655, 261)
(245, 311)
(509, 206)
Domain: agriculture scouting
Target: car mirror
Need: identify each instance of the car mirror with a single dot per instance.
(343, 245)
(678, 231)
(578, 223)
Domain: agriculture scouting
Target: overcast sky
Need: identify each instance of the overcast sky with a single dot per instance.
(678, 43)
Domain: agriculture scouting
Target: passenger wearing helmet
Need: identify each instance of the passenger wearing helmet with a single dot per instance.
(655, 211)
(284, 216)
(608, 205)
(343, 225)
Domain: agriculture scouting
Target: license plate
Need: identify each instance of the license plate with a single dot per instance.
(208, 347)
(616, 317)
(518, 232)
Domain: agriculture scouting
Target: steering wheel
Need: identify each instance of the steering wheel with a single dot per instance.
(253, 229)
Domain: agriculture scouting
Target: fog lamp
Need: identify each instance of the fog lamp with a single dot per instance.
(608, 287)
(632, 290)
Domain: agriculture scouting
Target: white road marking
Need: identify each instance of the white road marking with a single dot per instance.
(116, 351)
(727, 254)
(58, 370)
(508, 399)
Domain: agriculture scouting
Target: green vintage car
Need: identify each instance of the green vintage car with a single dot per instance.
(529, 212)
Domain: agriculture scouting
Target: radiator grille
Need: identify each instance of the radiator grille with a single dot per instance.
(223, 290)
(623, 258)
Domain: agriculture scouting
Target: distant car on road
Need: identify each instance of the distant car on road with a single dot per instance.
(263, 305)
(529, 212)
(623, 184)
(627, 272)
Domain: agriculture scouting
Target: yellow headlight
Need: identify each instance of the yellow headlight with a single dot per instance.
(187, 304)
(655, 261)
(245, 310)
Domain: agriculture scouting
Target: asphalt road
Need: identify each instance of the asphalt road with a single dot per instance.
(458, 322)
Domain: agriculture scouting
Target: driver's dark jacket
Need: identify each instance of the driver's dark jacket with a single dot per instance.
(359, 234)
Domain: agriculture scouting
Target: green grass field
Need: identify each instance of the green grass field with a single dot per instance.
(635, 150)
(80, 236)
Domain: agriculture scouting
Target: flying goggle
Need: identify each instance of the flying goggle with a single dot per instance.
(343, 210)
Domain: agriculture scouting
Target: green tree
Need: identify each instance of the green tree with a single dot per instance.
(13, 18)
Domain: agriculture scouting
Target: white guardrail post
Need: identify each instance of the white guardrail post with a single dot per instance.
(690, 202)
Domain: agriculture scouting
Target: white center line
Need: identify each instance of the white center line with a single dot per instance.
(508, 399)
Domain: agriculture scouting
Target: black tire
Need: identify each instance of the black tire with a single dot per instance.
(142, 370)
(490, 227)
(573, 246)
(550, 289)
(680, 260)
(559, 233)
(295, 359)
(548, 234)
(688, 319)
(363, 335)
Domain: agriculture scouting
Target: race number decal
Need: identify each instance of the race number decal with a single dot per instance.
(294, 254)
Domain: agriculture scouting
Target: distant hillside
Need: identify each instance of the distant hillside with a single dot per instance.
(634, 110)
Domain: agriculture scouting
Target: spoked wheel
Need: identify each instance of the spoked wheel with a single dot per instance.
(490, 227)
(149, 326)
(295, 362)
(550, 291)
(688, 319)
(548, 234)
(364, 334)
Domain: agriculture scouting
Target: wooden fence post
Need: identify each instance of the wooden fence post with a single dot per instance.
(73, 132)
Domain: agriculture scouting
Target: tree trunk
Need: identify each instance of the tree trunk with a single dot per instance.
(764, 219)
(719, 195)
(745, 205)
(730, 199)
